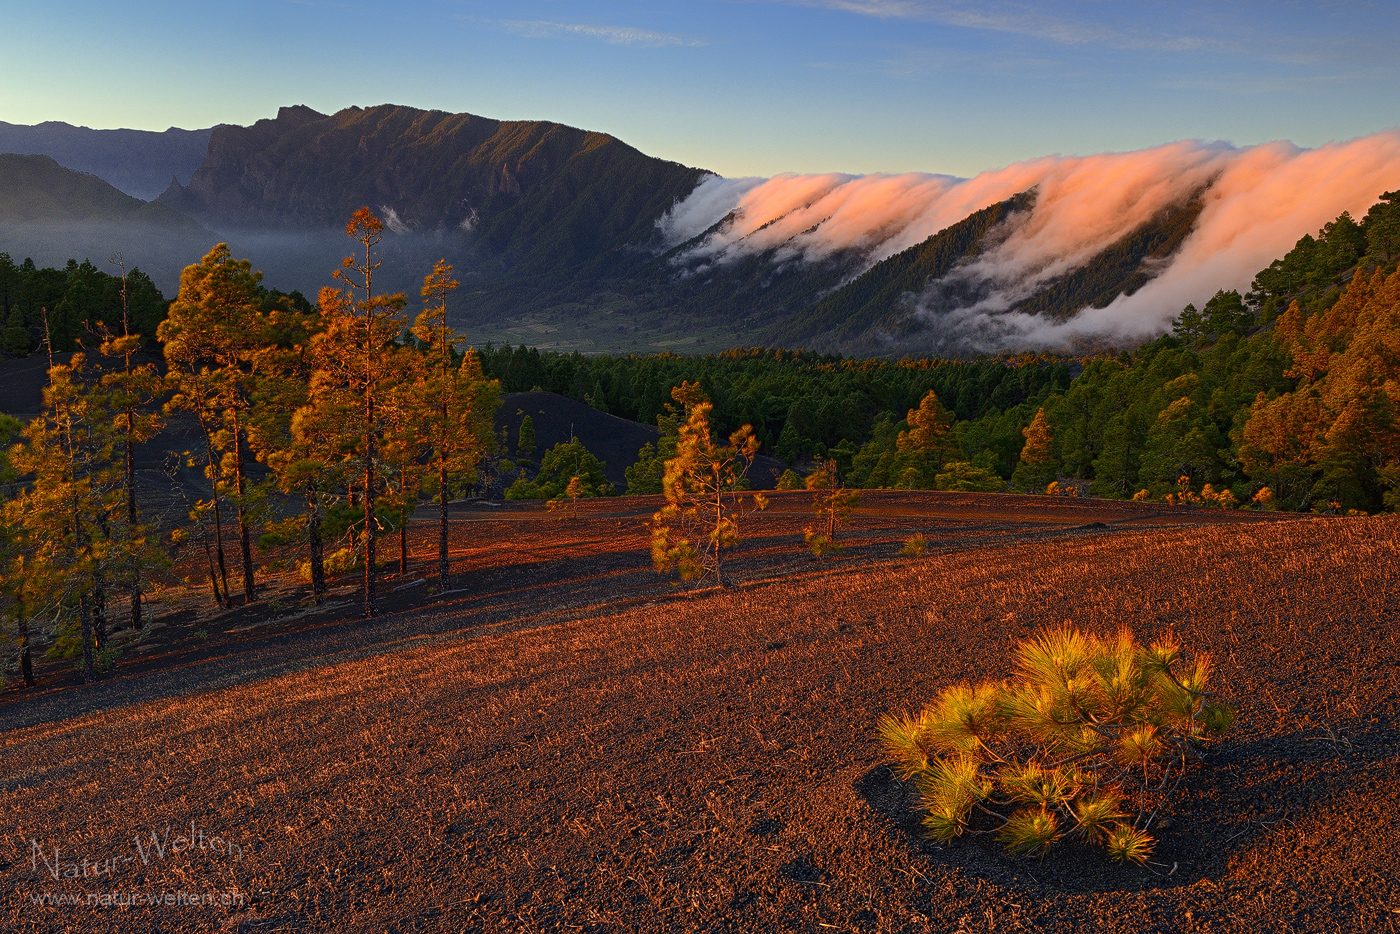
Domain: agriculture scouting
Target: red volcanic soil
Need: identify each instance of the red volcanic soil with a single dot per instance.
(574, 744)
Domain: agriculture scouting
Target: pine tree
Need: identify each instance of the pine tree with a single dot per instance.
(703, 486)
(1036, 468)
(645, 476)
(1335, 437)
(212, 338)
(566, 505)
(833, 504)
(920, 448)
(1382, 225)
(64, 513)
(134, 390)
(299, 453)
(928, 426)
(562, 463)
(358, 363)
(16, 572)
(459, 404)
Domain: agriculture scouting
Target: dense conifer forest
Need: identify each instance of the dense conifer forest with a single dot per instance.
(1277, 398)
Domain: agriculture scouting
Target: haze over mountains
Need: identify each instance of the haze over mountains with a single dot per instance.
(51, 213)
(572, 239)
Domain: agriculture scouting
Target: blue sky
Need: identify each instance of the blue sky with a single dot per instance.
(743, 87)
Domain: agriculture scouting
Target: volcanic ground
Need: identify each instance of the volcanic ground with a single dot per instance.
(566, 741)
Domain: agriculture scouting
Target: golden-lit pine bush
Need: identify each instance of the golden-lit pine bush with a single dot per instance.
(338, 563)
(1090, 739)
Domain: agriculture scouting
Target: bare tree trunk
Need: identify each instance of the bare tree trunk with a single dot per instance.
(370, 608)
(99, 594)
(403, 546)
(85, 625)
(26, 665)
(99, 610)
(213, 573)
(443, 569)
(315, 547)
(217, 470)
(244, 541)
(133, 567)
(445, 361)
(719, 518)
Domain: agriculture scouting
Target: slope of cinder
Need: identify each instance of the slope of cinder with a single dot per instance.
(638, 760)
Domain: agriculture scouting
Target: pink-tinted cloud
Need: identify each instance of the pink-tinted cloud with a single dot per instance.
(1258, 201)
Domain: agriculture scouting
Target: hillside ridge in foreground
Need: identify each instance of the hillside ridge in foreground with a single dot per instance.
(571, 739)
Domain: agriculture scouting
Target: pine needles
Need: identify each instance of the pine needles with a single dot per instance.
(1091, 739)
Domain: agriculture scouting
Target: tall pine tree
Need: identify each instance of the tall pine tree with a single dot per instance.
(459, 400)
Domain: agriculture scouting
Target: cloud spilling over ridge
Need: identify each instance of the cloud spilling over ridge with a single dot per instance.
(1257, 201)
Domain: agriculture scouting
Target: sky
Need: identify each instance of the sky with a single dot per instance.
(740, 87)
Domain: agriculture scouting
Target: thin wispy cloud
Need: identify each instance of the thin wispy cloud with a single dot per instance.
(613, 35)
(1223, 28)
(1017, 19)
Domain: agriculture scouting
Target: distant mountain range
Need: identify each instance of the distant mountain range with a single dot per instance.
(570, 239)
(140, 163)
(50, 213)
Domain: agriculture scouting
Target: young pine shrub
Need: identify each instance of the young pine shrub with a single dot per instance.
(565, 506)
(789, 481)
(1090, 740)
(833, 504)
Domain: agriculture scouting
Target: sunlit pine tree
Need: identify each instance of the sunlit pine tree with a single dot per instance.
(64, 512)
(704, 489)
(214, 332)
(299, 453)
(460, 403)
(358, 362)
(1036, 468)
(134, 390)
(920, 448)
(832, 503)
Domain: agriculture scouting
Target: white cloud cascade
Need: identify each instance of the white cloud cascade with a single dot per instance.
(1258, 200)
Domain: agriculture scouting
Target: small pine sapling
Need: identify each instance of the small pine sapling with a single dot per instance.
(704, 487)
(833, 504)
(526, 436)
(914, 546)
(565, 506)
(1090, 740)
